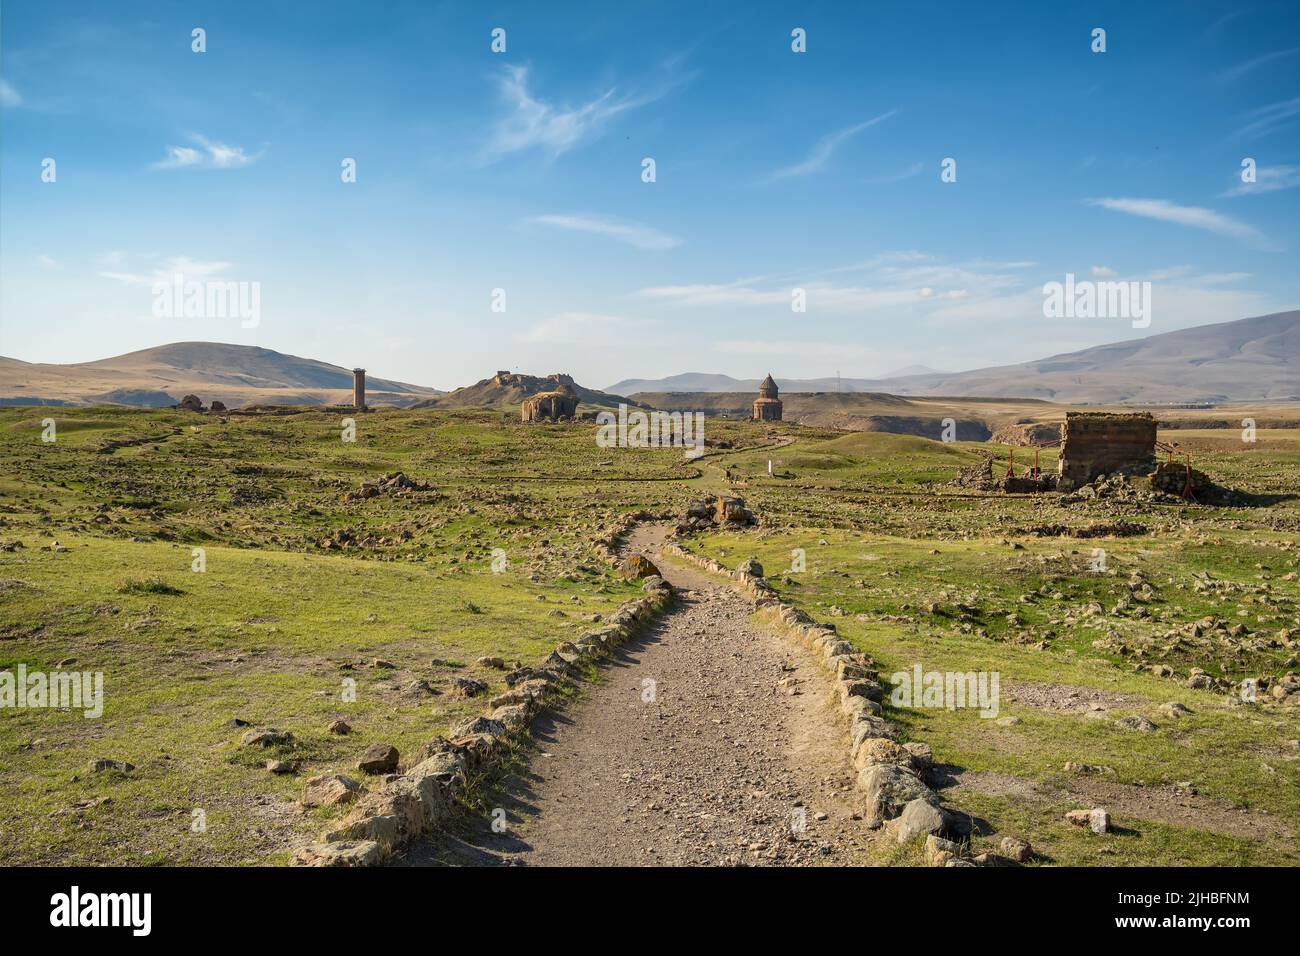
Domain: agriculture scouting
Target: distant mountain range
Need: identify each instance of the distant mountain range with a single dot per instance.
(1255, 359)
(706, 382)
(234, 374)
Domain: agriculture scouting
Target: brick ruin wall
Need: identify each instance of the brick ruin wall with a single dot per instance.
(1099, 444)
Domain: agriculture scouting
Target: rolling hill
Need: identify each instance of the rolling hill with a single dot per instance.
(1255, 359)
(234, 374)
(706, 382)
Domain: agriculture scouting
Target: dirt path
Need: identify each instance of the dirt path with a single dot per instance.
(723, 766)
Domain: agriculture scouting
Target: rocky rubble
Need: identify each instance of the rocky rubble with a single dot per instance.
(1171, 478)
(724, 511)
(396, 484)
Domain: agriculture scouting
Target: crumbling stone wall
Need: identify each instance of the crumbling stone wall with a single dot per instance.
(550, 406)
(1100, 443)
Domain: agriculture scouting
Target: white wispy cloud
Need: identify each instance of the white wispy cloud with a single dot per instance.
(634, 234)
(1102, 272)
(889, 281)
(8, 95)
(716, 294)
(825, 148)
(820, 296)
(1268, 179)
(533, 123)
(1241, 69)
(208, 155)
(1270, 117)
(191, 269)
(1195, 217)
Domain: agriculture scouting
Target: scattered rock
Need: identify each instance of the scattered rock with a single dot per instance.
(638, 566)
(1096, 819)
(266, 737)
(378, 758)
(1018, 850)
(329, 790)
(939, 851)
(340, 853)
(468, 686)
(1137, 722)
(340, 727)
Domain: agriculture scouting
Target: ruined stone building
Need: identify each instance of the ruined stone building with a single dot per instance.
(359, 389)
(767, 407)
(1101, 443)
(561, 402)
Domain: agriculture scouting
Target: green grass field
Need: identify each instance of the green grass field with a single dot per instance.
(308, 590)
(915, 572)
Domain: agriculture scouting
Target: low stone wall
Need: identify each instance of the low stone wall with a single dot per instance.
(890, 774)
(412, 805)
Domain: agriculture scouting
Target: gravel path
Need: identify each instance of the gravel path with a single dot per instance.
(710, 741)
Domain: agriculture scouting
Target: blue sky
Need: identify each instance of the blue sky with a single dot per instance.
(522, 171)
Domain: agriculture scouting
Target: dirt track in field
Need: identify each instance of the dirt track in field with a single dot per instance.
(709, 741)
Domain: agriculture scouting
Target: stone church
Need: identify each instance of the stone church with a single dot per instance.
(767, 407)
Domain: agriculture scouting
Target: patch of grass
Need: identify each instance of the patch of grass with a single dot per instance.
(148, 586)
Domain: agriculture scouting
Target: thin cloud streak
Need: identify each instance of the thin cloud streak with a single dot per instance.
(825, 148)
(1268, 179)
(1241, 69)
(1195, 217)
(1270, 118)
(634, 234)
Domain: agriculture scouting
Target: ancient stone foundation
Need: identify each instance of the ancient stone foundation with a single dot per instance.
(1100, 443)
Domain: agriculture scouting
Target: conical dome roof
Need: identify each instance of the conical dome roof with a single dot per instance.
(768, 387)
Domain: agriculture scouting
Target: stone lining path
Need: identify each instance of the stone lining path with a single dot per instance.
(721, 768)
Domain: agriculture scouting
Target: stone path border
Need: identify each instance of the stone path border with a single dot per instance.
(889, 773)
(414, 804)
